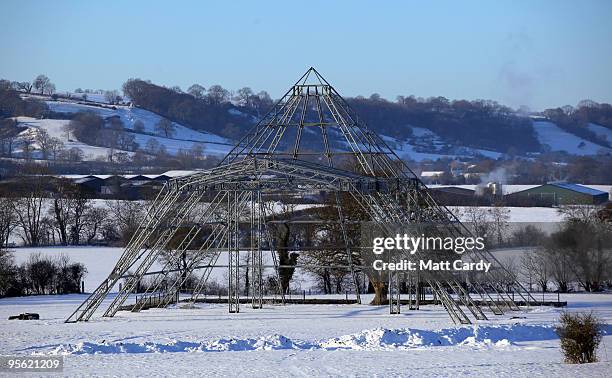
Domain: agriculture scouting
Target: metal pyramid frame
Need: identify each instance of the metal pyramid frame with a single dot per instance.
(297, 148)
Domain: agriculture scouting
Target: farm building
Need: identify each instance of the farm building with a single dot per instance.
(454, 196)
(560, 193)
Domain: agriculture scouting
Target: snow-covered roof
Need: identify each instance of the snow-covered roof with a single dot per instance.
(178, 173)
(431, 173)
(84, 180)
(578, 188)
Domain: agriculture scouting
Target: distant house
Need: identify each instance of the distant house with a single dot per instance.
(431, 177)
(112, 184)
(453, 196)
(559, 193)
(90, 184)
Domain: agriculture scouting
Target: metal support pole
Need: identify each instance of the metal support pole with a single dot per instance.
(256, 254)
(233, 247)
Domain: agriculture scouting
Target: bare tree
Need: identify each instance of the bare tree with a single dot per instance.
(69, 206)
(81, 204)
(587, 244)
(112, 96)
(50, 89)
(560, 267)
(8, 272)
(42, 84)
(126, 141)
(244, 96)
(8, 136)
(536, 266)
(499, 217)
(24, 86)
(56, 146)
(27, 147)
(477, 219)
(218, 95)
(29, 207)
(197, 151)
(62, 203)
(280, 212)
(579, 212)
(197, 91)
(44, 141)
(93, 221)
(139, 126)
(8, 220)
(73, 154)
(152, 147)
(127, 216)
(165, 127)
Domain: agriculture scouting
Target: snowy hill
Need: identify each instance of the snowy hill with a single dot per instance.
(423, 144)
(427, 145)
(56, 129)
(602, 132)
(183, 137)
(560, 140)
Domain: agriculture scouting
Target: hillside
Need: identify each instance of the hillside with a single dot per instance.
(182, 139)
(417, 129)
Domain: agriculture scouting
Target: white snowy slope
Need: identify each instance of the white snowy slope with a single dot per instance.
(603, 132)
(560, 140)
(56, 128)
(424, 139)
(129, 115)
(182, 138)
(299, 340)
(547, 132)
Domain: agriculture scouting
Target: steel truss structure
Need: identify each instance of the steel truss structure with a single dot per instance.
(296, 149)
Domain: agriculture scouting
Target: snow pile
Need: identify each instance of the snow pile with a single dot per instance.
(406, 338)
(274, 342)
(372, 339)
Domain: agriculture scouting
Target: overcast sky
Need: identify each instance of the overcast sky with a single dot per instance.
(535, 53)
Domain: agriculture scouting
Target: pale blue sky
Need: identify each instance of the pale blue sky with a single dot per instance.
(533, 52)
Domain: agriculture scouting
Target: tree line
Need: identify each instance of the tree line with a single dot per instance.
(576, 120)
(199, 108)
(576, 255)
(40, 210)
(39, 275)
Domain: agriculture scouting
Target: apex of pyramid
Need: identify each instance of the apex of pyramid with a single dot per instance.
(312, 77)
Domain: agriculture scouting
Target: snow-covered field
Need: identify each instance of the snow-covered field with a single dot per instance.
(299, 340)
(294, 340)
(291, 340)
(517, 214)
(560, 140)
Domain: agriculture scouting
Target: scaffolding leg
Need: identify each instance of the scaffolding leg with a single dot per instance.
(256, 254)
(233, 287)
(394, 292)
